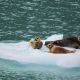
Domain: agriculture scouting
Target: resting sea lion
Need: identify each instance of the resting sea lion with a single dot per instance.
(69, 42)
(36, 43)
(57, 49)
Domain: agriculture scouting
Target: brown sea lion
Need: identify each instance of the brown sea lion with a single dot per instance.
(36, 43)
(57, 49)
(68, 42)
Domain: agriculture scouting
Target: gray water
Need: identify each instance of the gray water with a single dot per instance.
(24, 19)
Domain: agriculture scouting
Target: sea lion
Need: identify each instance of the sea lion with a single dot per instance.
(57, 49)
(36, 43)
(68, 42)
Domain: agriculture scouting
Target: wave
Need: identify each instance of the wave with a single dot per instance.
(24, 54)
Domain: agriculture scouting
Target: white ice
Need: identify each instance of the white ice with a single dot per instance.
(23, 53)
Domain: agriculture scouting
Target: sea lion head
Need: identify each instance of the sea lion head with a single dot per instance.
(50, 45)
(36, 43)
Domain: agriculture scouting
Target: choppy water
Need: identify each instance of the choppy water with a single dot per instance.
(23, 19)
(37, 75)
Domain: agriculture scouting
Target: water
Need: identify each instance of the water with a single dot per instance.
(20, 20)
(23, 19)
